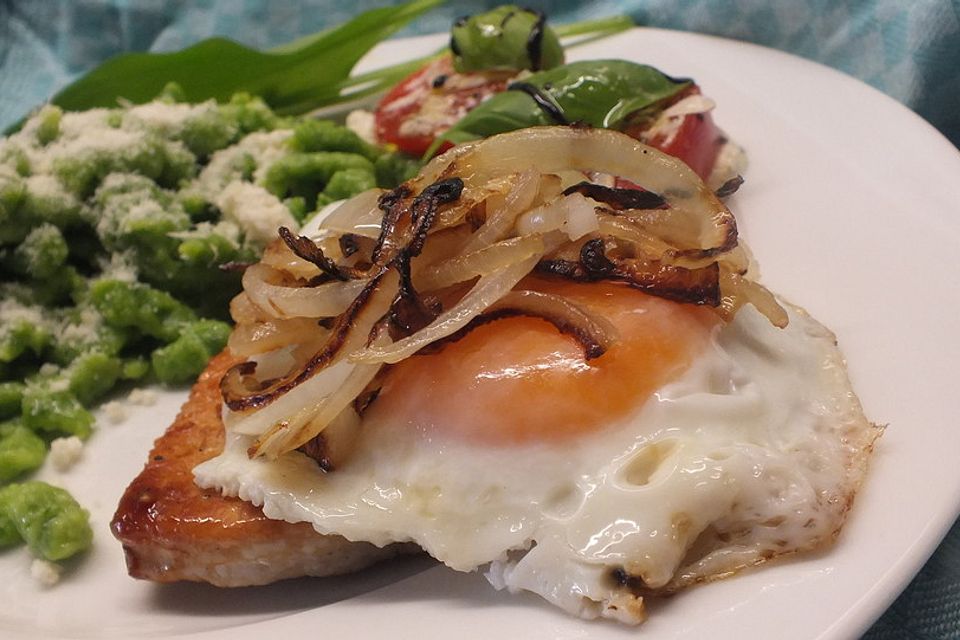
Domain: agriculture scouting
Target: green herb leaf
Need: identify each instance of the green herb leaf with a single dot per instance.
(290, 79)
(600, 93)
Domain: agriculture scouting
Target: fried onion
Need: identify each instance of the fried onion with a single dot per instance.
(390, 274)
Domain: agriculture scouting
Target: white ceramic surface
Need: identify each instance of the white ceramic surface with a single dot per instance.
(852, 208)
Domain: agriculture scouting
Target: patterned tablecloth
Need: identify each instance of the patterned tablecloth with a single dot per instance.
(909, 49)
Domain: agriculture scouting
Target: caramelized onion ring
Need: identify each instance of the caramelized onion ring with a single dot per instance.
(594, 333)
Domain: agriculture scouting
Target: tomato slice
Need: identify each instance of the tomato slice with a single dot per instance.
(430, 101)
(433, 99)
(696, 141)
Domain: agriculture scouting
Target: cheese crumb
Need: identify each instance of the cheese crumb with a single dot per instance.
(65, 452)
(143, 397)
(255, 210)
(115, 412)
(12, 313)
(60, 384)
(362, 123)
(49, 369)
(45, 572)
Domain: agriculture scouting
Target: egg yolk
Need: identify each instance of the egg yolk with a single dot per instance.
(519, 380)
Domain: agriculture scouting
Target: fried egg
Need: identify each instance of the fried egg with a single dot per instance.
(690, 450)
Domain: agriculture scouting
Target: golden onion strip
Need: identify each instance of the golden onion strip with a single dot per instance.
(360, 215)
(253, 338)
(484, 293)
(312, 419)
(279, 256)
(467, 266)
(501, 221)
(573, 214)
(280, 301)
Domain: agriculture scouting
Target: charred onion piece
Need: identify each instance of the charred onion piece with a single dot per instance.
(394, 206)
(338, 386)
(594, 259)
(409, 313)
(406, 223)
(694, 286)
(334, 445)
(349, 244)
(485, 292)
(618, 199)
(309, 251)
(424, 209)
(730, 187)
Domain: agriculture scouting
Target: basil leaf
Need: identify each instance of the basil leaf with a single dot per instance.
(600, 93)
(290, 79)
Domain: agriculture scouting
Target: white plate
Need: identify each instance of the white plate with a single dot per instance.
(852, 207)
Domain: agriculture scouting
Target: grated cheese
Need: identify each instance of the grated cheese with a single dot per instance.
(264, 147)
(255, 210)
(65, 452)
(115, 412)
(46, 573)
(142, 397)
(362, 123)
(49, 369)
(78, 333)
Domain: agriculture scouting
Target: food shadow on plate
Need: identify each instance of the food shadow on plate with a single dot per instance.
(285, 596)
(457, 590)
(405, 579)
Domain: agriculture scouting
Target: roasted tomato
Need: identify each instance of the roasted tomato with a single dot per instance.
(433, 99)
(429, 102)
(694, 138)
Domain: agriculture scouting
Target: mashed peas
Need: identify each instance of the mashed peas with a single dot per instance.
(114, 226)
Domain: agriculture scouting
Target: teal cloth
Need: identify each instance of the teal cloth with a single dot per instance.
(908, 49)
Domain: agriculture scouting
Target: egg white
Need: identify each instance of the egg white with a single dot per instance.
(756, 451)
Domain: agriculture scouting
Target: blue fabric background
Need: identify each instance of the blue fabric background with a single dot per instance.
(908, 49)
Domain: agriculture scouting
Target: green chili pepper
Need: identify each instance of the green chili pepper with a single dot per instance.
(508, 38)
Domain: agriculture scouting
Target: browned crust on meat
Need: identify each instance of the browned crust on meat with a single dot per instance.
(172, 530)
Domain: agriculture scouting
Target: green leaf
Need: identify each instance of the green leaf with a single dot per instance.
(600, 93)
(290, 79)
(591, 30)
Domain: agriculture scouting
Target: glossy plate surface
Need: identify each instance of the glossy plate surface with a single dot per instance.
(851, 207)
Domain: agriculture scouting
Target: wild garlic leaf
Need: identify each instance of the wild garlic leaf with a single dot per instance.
(291, 79)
